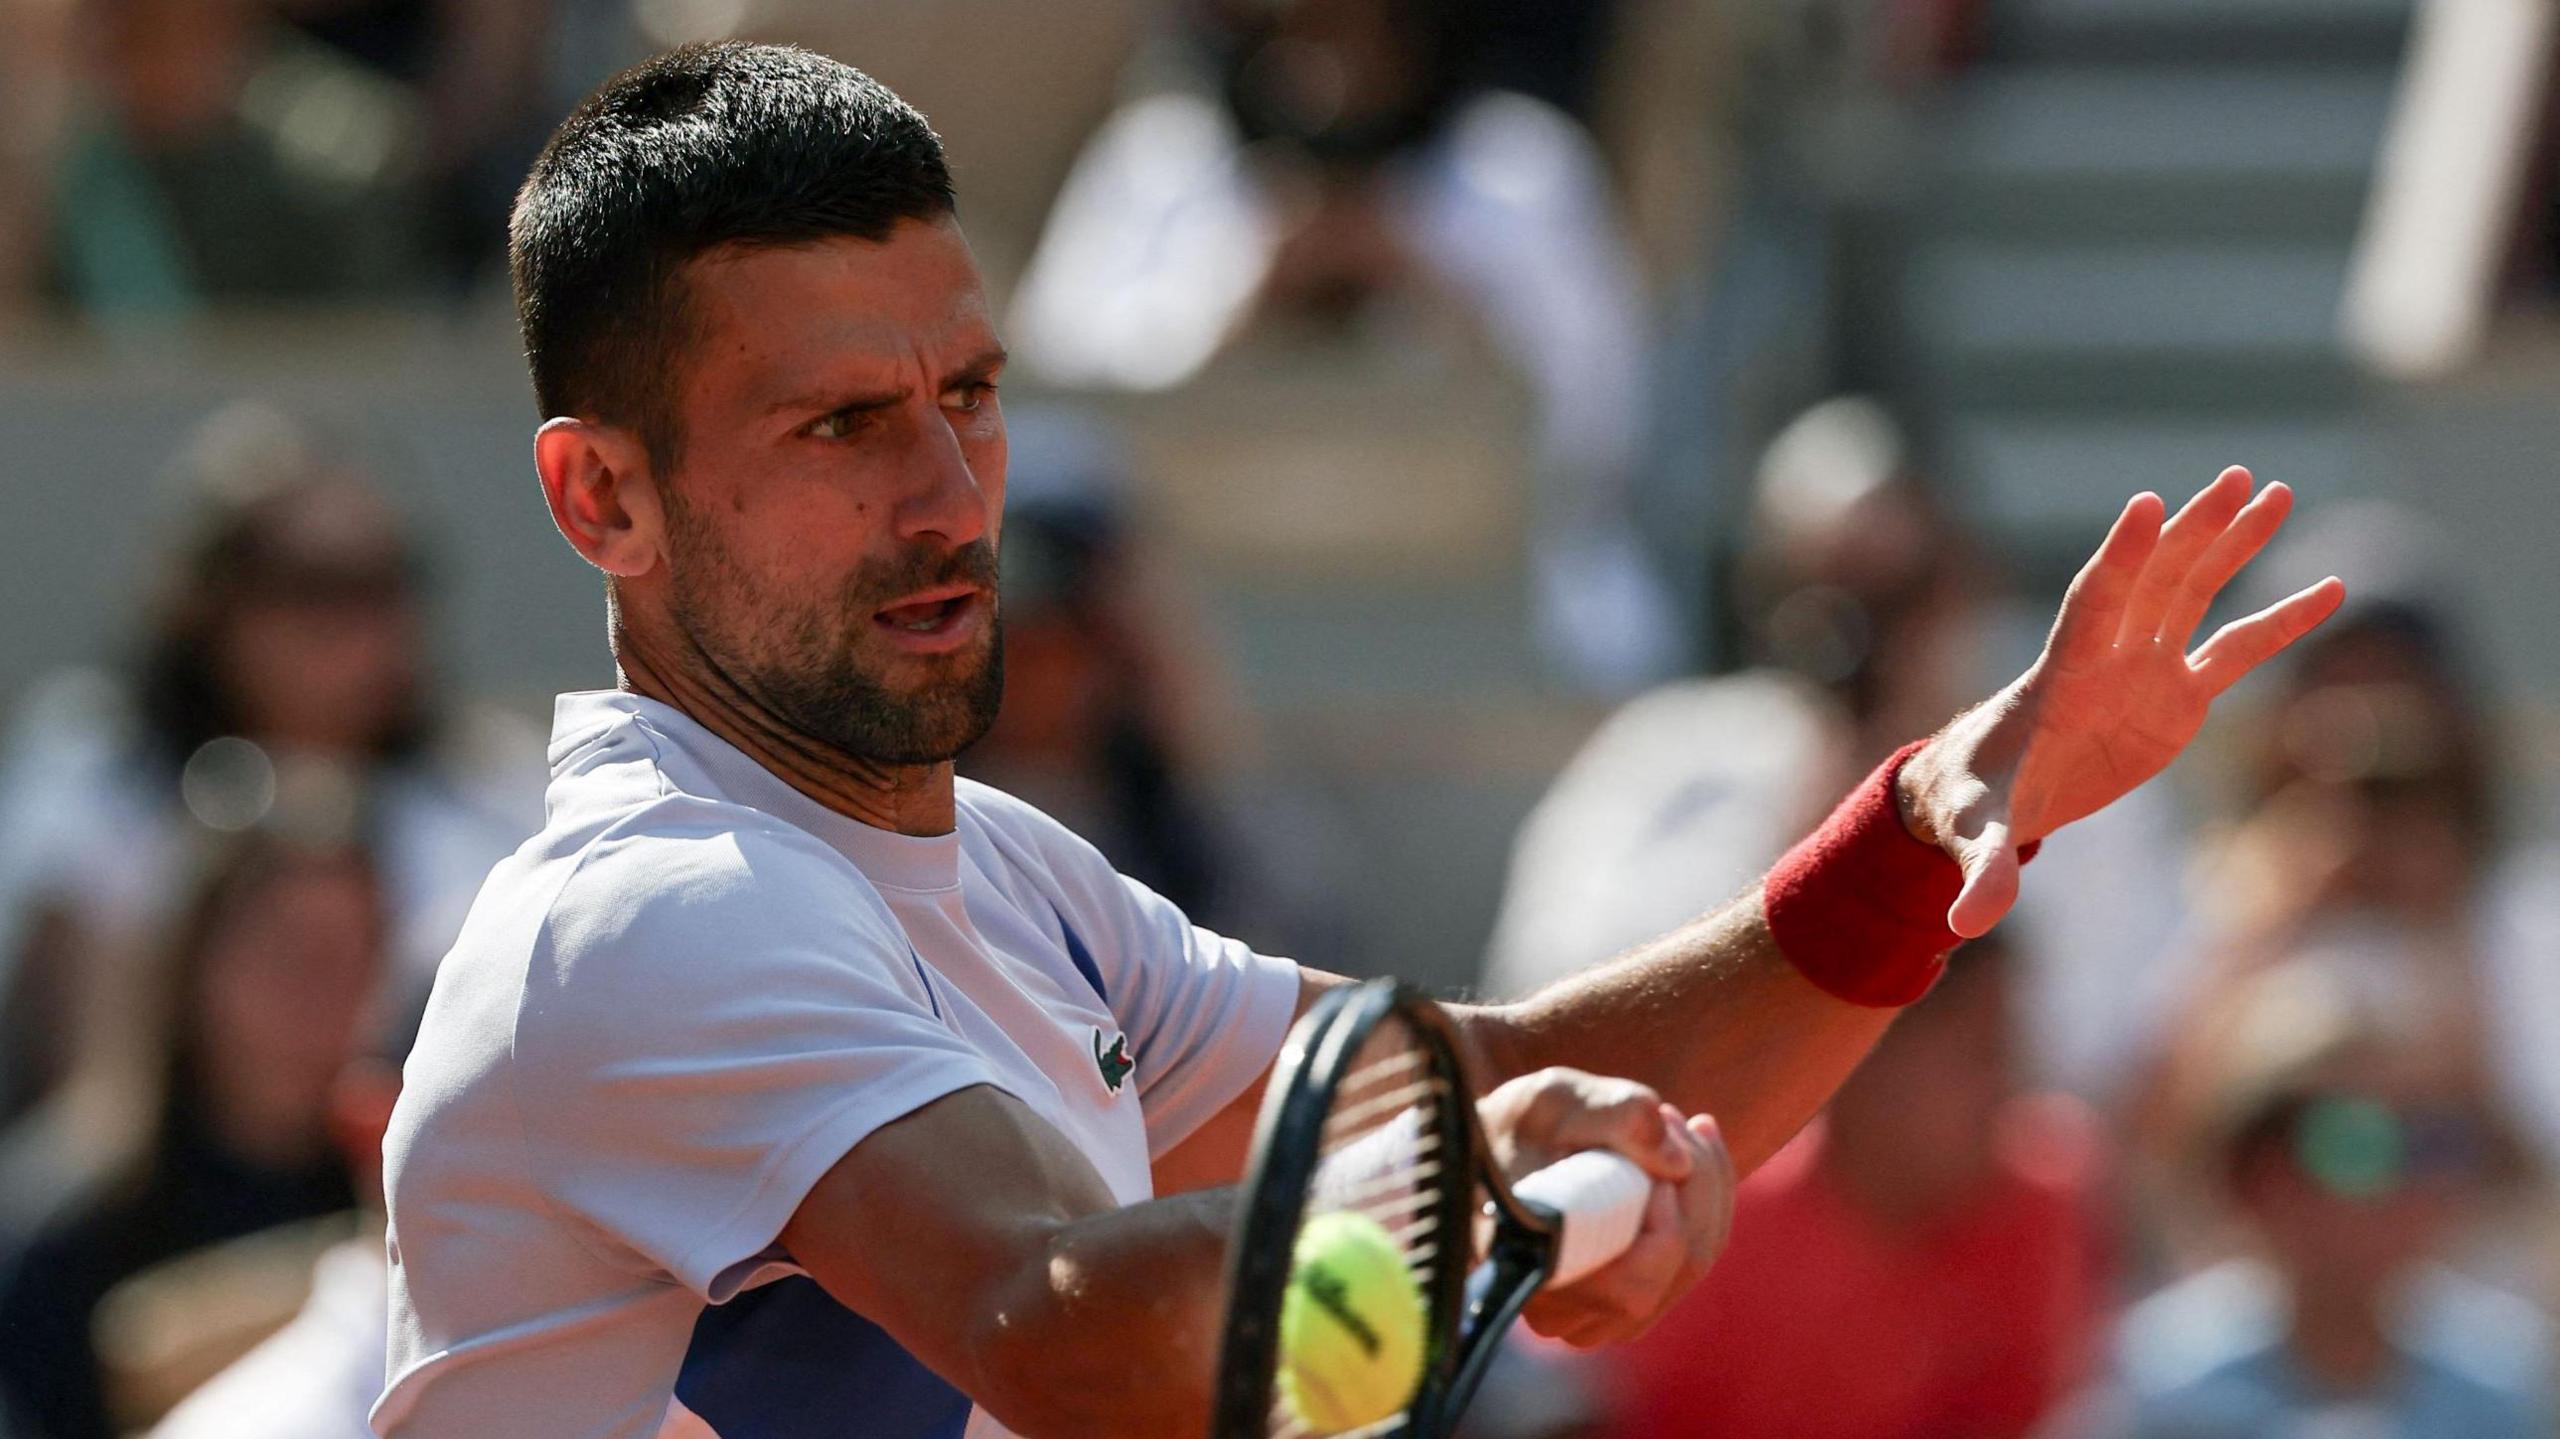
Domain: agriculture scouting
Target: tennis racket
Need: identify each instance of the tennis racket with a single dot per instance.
(1369, 1112)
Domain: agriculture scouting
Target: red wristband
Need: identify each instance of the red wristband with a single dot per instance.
(1860, 905)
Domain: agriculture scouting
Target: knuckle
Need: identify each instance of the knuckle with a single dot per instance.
(1630, 1094)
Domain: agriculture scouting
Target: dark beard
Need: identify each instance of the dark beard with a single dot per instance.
(811, 679)
(842, 707)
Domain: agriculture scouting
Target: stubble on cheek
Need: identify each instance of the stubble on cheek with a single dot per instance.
(817, 665)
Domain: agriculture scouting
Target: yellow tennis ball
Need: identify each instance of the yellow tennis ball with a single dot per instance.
(1350, 1325)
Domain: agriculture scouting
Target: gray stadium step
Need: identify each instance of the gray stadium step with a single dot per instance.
(2124, 326)
(2077, 152)
(2142, 31)
(2064, 476)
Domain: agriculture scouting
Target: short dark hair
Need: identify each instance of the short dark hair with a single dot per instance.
(703, 146)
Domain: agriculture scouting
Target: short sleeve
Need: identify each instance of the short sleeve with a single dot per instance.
(1205, 1014)
(711, 1022)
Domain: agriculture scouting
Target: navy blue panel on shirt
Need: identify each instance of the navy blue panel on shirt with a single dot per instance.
(1082, 959)
(786, 1361)
(926, 980)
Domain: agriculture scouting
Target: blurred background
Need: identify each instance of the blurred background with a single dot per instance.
(1487, 474)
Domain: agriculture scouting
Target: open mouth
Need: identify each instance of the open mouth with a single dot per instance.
(934, 612)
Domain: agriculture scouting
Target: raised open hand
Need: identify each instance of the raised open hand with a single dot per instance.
(2115, 695)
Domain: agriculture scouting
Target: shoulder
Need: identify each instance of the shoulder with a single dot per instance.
(314, 1377)
(683, 855)
(1751, 708)
(1017, 840)
(1018, 822)
(2201, 1332)
(2481, 1337)
(296, 1385)
(688, 892)
(1698, 744)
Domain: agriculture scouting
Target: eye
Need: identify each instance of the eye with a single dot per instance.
(967, 398)
(838, 424)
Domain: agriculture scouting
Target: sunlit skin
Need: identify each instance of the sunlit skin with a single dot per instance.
(841, 470)
(838, 419)
(2117, 693)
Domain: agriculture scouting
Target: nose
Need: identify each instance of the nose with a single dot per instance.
(946, 500)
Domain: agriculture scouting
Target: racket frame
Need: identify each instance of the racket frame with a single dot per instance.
(1287, 1147)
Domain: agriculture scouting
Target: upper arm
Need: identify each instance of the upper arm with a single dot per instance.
(1216, 1151)
(690, 1057)
(926, 1226)
(981, 1240)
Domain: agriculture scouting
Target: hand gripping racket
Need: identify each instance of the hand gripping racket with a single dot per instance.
(1369, 1113)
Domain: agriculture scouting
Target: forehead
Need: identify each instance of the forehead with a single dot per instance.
(771, 316)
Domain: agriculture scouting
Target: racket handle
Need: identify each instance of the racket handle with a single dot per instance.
(1601, 1197)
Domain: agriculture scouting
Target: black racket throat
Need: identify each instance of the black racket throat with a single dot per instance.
(1316, 1083)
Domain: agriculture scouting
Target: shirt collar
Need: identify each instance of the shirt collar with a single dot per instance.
(885, 857)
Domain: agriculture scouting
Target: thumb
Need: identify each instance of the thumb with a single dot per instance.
(1990, 864)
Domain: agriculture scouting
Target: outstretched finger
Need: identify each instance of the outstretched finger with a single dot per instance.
(2244, 644)
(2230, 553)
(2199, 522)
(2094, 605)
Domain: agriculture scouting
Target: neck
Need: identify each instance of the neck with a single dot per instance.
(902, 798)
(2338, 1338)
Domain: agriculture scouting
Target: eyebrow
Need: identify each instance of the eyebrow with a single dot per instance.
(986, 363)
(979, 366)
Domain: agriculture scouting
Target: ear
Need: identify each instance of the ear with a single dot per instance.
(602, 494)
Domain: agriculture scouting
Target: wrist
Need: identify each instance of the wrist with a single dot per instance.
(1859, 907)
(1911, 791)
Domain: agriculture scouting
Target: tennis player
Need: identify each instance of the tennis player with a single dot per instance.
(785, 1085)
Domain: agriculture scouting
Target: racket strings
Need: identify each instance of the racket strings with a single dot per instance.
(1384, 1155)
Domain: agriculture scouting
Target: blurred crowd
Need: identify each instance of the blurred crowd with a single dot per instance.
(2240, 1127)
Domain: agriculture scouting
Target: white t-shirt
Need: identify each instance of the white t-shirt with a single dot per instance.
(677, 1007)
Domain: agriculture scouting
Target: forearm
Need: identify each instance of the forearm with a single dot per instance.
(1711, 1015)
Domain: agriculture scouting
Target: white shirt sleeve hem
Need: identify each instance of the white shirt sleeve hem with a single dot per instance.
(759, 1221)
(1270, 1005)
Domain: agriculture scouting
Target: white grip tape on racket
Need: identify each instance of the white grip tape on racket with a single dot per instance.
(1601, 1197)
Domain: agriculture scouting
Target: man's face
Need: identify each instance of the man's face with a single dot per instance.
(832, 521)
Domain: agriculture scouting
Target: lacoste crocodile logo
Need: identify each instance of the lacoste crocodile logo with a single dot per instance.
(1114, 1062)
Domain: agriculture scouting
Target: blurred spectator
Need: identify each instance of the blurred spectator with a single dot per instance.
(318, 1375)
(287, 629)
(1927, 1260)
(2348, 1148)
(1868, 620)
(1104, 706)
(206, 1116)
(1327, 152)
(2374, 808)
(477, 68)
(171, 153)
